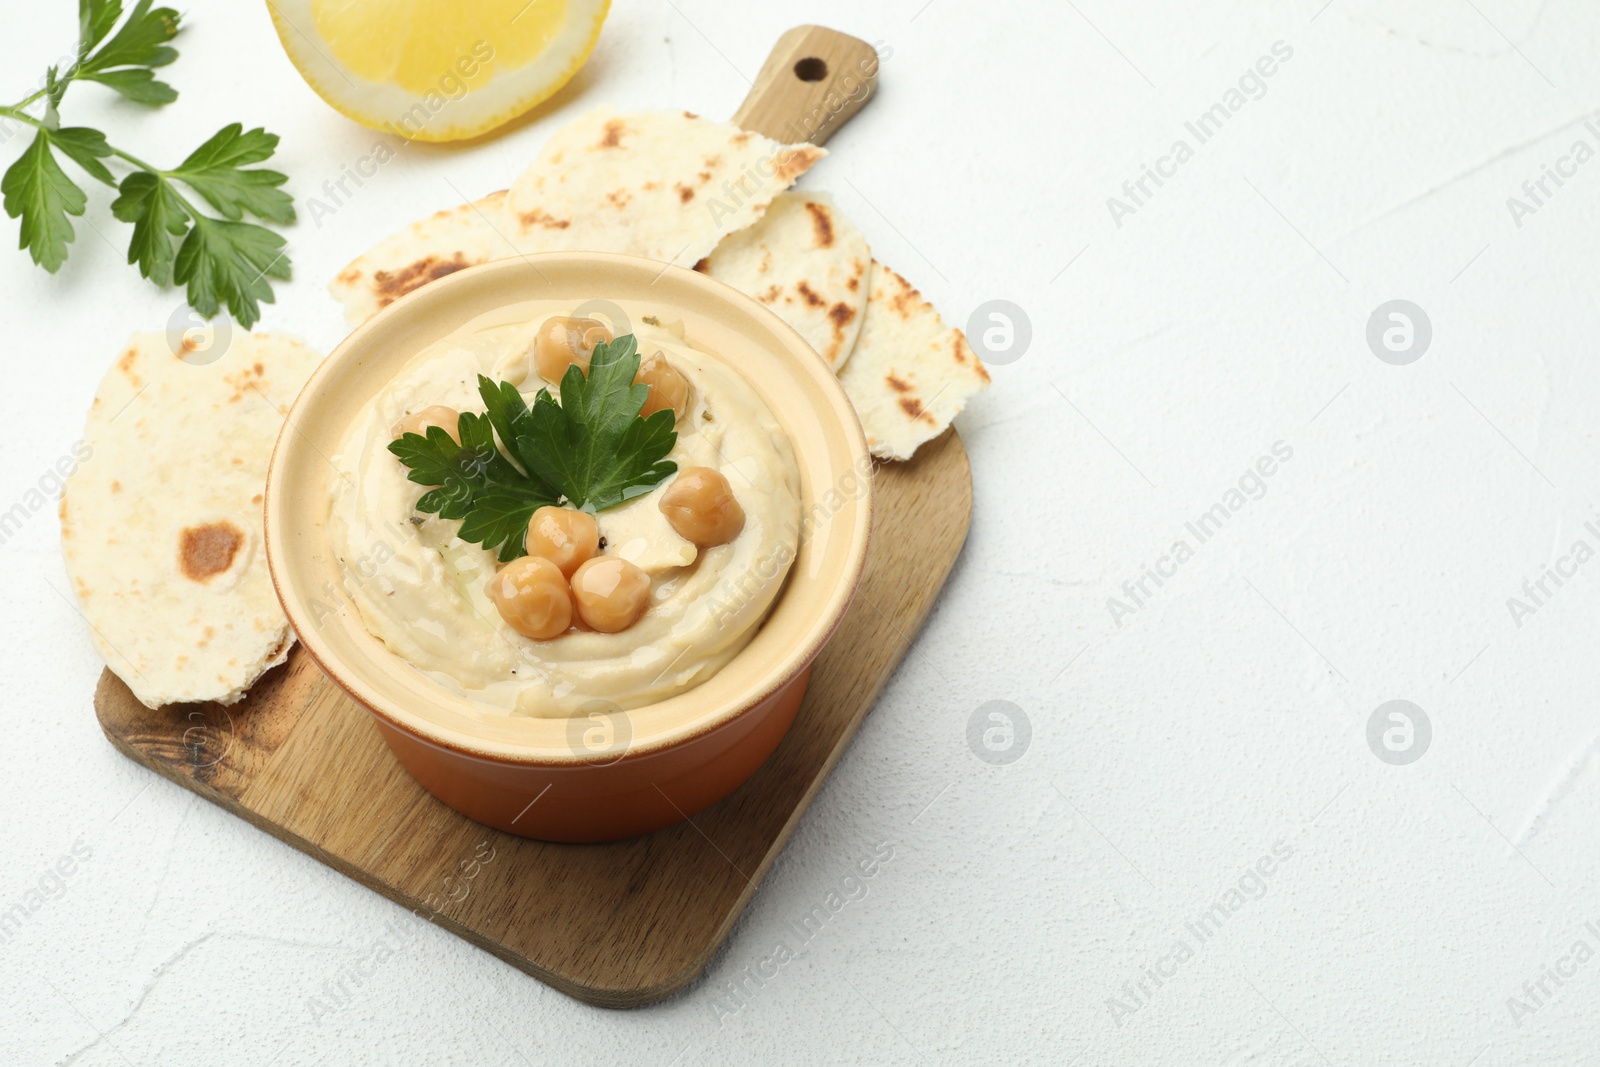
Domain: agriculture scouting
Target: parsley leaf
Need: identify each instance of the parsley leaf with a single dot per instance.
(229, 263)
(159, 220)
(216, 171)
(95, 19)
(136, 84)
(38, 192)
(86, 148)
(593, 446)
(125, 62)
(475, 483)
(591, 451)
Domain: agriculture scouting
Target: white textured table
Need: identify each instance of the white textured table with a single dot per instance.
(1194, 856)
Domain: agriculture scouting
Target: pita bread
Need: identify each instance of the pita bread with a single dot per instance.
(806, 262)
(665, 185)
(910, 373)
(662, 185)
(161, 526)
(442, 243)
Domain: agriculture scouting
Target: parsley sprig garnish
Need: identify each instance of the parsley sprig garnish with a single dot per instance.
(221, 259)
(591, 451)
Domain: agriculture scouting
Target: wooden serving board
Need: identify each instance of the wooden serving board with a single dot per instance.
(618, 925)
(621, 924)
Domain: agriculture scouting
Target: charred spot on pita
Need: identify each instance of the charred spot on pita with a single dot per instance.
(206, 551)
(540, 217)
(392, 285)
(822, 223)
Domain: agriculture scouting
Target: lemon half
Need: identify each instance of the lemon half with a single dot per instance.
(437, 70)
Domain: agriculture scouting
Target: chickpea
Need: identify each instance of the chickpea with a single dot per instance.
(611, 593)
(419, 421)
(668, 387)
(563, 341)
(700, 505)
(532, 596)
(563, 536)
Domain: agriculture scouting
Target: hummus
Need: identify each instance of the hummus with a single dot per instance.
(420, 589)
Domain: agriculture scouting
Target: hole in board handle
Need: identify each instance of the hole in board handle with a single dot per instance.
(811, 69)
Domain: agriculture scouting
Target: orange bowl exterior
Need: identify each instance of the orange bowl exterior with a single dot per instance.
(602, 802)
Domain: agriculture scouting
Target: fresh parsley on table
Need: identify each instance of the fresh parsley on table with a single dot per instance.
(222, 260)
(591, 451)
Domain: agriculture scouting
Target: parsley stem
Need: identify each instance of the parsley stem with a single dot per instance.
(15, 110)
(136, 161)
(20, 104)
(20, 115)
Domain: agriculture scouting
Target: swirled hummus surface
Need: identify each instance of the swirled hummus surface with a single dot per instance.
(420, 589)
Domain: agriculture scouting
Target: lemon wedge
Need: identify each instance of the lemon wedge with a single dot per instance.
(437, 70)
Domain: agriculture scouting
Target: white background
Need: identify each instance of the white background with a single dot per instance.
(1226, 715)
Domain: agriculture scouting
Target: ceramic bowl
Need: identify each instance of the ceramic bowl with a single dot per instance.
(607, 776)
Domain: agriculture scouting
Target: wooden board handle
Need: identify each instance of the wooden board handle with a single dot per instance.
(814, 82)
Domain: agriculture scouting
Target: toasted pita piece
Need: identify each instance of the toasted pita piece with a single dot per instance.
(806, 262)
(443, 243)
(910, 373)
(161, 524)
(665, 185)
